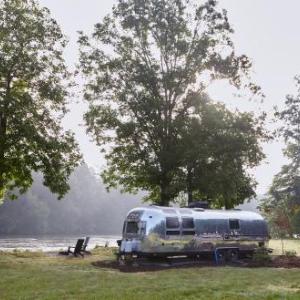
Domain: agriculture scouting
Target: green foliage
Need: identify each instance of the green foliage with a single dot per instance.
(219, 147)
(33, 91)
(291, 253)
(282, 204)
(278, 206)
(148, 65)
(261, 257)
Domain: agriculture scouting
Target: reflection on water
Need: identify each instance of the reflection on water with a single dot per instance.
(52, 243)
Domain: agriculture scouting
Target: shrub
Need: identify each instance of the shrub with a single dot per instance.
(290, 253)
(261, 256)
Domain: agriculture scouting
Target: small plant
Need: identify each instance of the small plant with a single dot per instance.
(290, 253)
(261, 256)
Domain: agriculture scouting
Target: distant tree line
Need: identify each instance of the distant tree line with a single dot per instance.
(87, 209)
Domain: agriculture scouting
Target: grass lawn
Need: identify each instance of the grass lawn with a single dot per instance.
(40, 276)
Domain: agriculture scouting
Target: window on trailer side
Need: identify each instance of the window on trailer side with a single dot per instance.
(172, 222)
(189, 232)
(188, 223)
(173, 232)
(234, 224)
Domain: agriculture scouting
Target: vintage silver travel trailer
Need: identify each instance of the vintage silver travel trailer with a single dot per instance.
(166, 231)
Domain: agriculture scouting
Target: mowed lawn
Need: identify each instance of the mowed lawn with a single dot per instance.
(40, 276)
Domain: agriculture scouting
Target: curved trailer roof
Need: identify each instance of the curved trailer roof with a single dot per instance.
(199, 213)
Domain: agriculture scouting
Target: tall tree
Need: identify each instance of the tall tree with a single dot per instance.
(220, 146)
(282, 204)
(33, 91)
(146, 65)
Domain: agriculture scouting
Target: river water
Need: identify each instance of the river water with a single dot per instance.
(52, 243)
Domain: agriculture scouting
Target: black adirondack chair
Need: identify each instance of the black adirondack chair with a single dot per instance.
(78, 249)
(85, 244)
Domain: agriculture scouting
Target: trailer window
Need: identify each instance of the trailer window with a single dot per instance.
(172, 222)
(207, 226)
(255, 227)
(171, 232)
(188, 223)
(192, 232)
(132, 227)
(234, 224)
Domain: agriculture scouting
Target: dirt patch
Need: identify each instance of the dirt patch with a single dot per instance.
(282, 261)
(159, 265)
(151, 266)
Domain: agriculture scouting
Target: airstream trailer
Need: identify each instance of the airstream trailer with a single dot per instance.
(166, 231)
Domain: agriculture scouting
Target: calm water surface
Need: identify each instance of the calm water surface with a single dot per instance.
(52, 243)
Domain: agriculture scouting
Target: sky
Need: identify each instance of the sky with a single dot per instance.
(265, 30)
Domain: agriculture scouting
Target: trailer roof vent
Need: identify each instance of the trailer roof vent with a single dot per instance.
(198, 209)
(185, 211)
(199, 204)
(154, 206)
(169, 210)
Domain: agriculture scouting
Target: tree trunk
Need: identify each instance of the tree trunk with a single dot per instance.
(2, 143)
(164, 196)
(3, 130)
(2, 152)
(227, 204)
(282, 246)
(189, 185)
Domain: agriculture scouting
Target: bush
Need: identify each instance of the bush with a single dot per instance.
(290, 253)
(261, 256)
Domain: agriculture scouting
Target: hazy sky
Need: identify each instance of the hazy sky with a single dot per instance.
(266, 30)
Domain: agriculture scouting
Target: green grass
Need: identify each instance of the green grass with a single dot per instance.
(30, 276)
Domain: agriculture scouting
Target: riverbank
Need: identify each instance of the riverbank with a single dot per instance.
(38, 275)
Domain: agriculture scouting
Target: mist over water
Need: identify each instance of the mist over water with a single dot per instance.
(52, 243)
(88, 209)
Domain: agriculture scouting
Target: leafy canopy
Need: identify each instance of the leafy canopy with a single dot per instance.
(282, 204)
(220, 147)
(147, 65)
(33, 91)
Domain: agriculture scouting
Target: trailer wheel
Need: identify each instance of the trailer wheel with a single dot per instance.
(125, 260)
(121, 260)
(221, 257)
(233, 255)
(227, 255)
